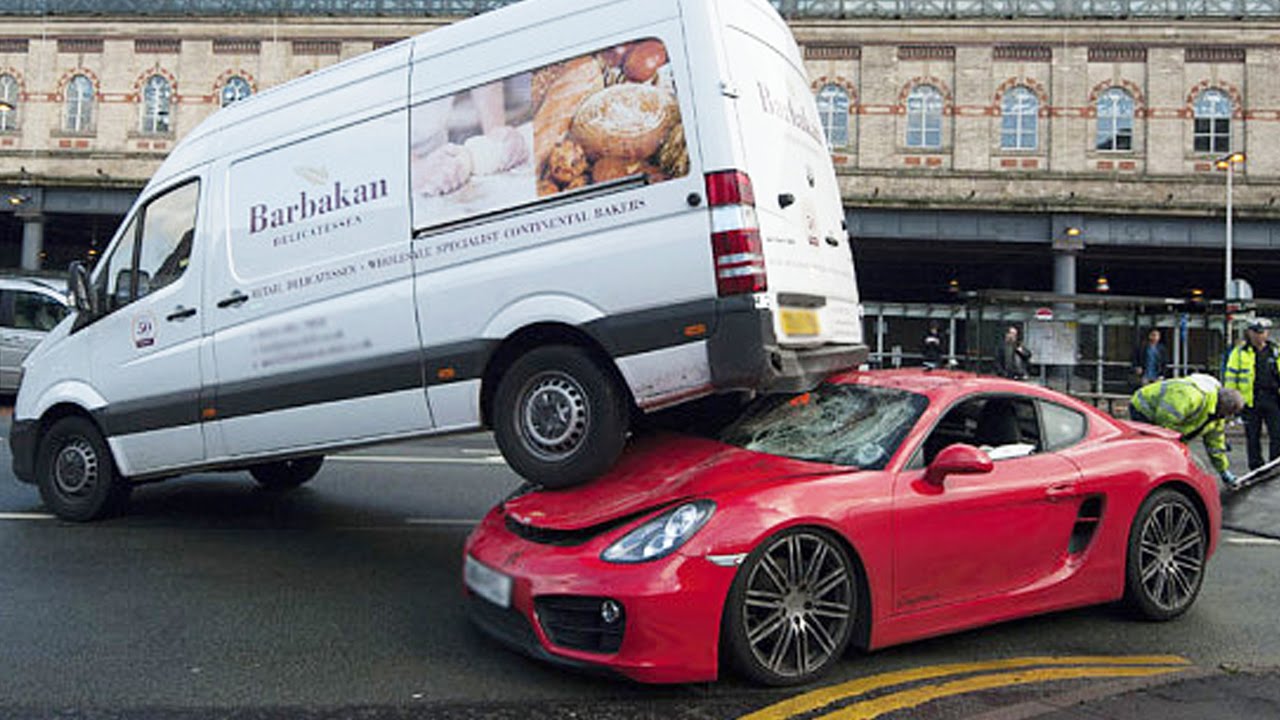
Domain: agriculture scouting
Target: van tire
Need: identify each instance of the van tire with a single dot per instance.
(76, 474)
(287, 474)
(588, 422)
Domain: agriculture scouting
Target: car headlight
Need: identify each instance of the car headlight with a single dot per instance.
(662, 535)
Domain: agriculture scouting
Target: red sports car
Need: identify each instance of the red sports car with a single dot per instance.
(879, 508)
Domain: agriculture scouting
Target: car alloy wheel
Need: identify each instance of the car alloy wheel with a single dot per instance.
(795, 607)
(1171, 554)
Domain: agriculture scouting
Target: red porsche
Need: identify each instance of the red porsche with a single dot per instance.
(880, 508)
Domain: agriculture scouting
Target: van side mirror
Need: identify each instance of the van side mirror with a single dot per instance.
(81, 296)
(958, 459)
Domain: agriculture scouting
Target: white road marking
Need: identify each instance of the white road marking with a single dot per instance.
(444, 522)
(420, 460)
(26, 516)
(1266, 542)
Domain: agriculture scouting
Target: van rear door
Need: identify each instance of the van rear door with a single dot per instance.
(809, 263)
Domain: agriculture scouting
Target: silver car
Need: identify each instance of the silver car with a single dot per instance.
(29, 309)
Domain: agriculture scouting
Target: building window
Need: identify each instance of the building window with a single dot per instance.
(1115, 121)
(236, 88)
(1213, 122)
(157, 101)
(924, 117)
(79, 110)
(8, 103)
(1019, 120)
(833, 108)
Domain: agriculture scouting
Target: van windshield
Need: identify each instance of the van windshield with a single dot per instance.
(854, 425)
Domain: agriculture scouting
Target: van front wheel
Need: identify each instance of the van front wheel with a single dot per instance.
(559, 418)
(76, 474)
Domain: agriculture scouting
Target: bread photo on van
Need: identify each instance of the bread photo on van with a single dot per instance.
(546, 221)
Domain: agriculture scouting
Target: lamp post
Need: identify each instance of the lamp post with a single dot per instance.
(1229, 163)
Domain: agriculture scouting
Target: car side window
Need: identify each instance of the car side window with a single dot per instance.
(168, 228)
(1004, 427)
(35, 311)
(1063, 427)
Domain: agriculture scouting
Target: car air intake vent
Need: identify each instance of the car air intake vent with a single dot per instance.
(589, 624)
(568, 538)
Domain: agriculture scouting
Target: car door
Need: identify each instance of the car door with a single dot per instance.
(146, 359)
(986, 534)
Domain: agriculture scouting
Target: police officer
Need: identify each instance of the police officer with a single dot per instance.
(1194, 406)
(1254, 369)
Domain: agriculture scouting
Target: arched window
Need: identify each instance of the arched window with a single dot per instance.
(8, 103)
(1213, 122)
(833, 108)
(1115, 121)
(79, 106)
(157, 101)
(1019, 120)
(236, 88)
(924, 117)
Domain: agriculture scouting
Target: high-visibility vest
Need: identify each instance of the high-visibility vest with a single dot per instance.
(1241, 370)
(1187, 406)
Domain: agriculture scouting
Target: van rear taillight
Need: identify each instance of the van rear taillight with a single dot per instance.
(735, 234)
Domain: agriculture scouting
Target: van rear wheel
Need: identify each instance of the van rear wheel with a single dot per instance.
(76, 473)
(287, 474)
(559, 418)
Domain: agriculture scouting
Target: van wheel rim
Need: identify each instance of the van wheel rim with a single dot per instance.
(1171, 555)
(798, 605)
(554, 415)
(75, 470)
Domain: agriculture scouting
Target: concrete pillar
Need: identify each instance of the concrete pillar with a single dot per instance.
(1064, 272)
(32, 240)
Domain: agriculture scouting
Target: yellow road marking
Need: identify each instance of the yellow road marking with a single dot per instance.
(822, 697)
(869, 709)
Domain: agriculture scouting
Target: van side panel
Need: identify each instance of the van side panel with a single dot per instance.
(314, 333)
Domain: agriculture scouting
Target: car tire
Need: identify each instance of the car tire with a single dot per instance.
(1168, 546)
(558, 417)
(287, 474)
(786, 625)
(76, 474)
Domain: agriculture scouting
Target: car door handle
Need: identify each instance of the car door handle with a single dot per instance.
(235, 298)
(1061, 491)
(180, 313)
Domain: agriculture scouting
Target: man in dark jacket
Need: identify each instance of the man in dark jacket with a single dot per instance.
(1151, 360)
(1012, 359)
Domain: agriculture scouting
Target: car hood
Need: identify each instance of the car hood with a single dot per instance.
(656, 471)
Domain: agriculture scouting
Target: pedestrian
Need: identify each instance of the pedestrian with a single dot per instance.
(1254, 369)
(1193, 406)
(1150, 360)
(1012, 359)
(932, 345)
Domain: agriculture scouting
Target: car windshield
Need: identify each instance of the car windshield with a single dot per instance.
(855, 425)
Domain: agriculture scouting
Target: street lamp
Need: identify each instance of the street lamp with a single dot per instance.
(1229, 163)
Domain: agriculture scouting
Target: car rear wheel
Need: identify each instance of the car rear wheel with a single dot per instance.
(76, 473)
(559, 418)
(1168, 546)
(792, 608)
(287, 474)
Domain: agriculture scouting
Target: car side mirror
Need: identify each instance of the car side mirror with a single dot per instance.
(958, 459)
(81, 296)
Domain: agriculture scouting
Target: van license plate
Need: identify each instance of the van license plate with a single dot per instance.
(800, 322)
(487, 583)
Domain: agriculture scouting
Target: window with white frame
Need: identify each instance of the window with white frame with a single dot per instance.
(8, 102)
(1019, 120)
(833, 108)
(1115, 121)
(1212, 122)
(78, 117)
(924, 117)
(236, 88)
(157, 105)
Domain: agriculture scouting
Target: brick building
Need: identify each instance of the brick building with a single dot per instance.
(969, 135)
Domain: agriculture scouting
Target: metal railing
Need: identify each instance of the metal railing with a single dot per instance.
(799, 9)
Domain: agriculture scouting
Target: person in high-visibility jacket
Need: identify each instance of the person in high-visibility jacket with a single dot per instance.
(1194, 406)
(1254, 369)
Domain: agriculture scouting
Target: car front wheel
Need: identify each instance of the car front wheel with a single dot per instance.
(76, 473)
(1168, 546)
(792, 608)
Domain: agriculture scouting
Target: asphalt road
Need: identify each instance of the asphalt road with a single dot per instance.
(212, 598)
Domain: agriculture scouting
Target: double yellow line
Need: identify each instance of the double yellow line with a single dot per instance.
(978, 676)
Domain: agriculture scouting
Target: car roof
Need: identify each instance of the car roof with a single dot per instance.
(44, 286)
(944, 384)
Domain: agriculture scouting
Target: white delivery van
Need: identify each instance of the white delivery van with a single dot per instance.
(542, 220)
